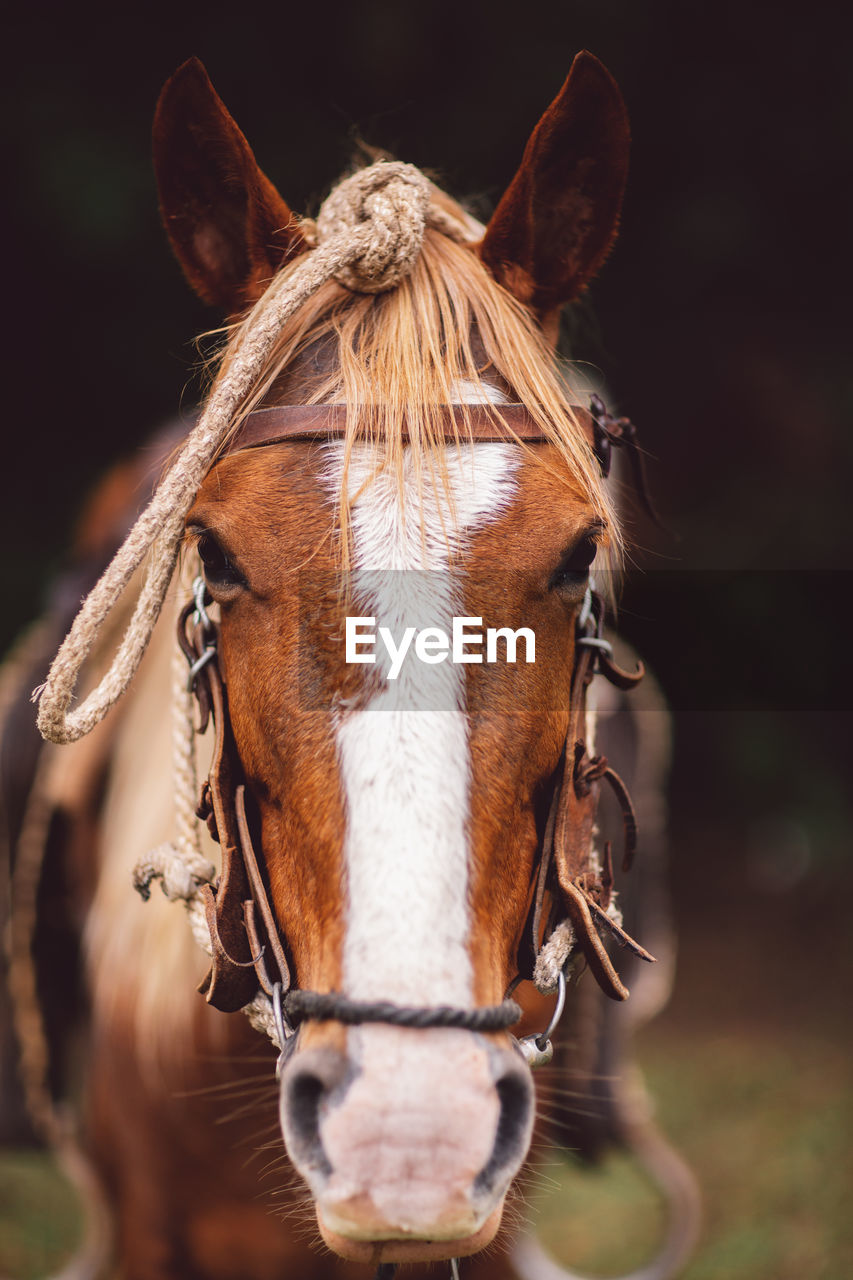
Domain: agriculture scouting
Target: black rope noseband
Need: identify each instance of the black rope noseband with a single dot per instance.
(333, 1007)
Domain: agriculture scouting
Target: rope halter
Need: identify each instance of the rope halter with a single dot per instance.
(369, 234)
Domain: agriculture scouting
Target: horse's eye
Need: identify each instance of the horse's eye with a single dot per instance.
(573, 569)
(218, 569)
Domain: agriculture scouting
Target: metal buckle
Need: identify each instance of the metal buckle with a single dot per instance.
(588, 626)
(602, 439)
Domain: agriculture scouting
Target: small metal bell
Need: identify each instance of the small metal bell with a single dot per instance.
(534, 1053)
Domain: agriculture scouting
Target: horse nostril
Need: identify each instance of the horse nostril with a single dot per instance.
(302, 1100)
(515, 1093)
(308, 1081)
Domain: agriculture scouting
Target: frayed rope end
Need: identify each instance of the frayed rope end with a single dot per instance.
(180, 875)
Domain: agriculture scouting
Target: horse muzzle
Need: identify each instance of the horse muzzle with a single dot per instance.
(408, 1139)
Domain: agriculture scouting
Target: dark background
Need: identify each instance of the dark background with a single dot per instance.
(721, 325)
(721, 322)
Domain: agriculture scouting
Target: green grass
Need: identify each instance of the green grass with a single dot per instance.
(39, 1216)
(601, 1221)
(766, 1124)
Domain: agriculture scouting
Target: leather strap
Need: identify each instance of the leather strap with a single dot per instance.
(460, 423)
(237, 960)
(566, 868)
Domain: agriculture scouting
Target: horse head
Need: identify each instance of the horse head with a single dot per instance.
(400, 811)
(398, 605)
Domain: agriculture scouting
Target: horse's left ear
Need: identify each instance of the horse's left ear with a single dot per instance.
(558, 218)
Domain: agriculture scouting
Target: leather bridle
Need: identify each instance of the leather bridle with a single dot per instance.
(248, 952)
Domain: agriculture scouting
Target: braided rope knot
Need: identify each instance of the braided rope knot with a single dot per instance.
(381, 213)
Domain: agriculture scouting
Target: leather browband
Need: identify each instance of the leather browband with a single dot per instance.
(481, 422)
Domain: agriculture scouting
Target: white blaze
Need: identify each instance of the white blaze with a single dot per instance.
(404, 756)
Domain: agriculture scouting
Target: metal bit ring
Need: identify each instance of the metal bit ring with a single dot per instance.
(537, 1050)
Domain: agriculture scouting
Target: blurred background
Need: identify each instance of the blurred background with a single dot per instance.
(721, 325)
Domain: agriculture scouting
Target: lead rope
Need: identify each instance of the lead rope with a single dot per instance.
(368, 236)
(180, 866)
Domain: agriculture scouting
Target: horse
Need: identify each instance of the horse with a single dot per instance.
(377, 543)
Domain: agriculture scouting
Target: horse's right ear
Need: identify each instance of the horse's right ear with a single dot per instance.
(229, 227)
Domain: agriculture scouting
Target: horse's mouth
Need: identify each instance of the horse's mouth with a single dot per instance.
(410, 1250)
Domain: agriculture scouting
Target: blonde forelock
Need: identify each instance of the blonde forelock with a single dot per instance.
(403, 355)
